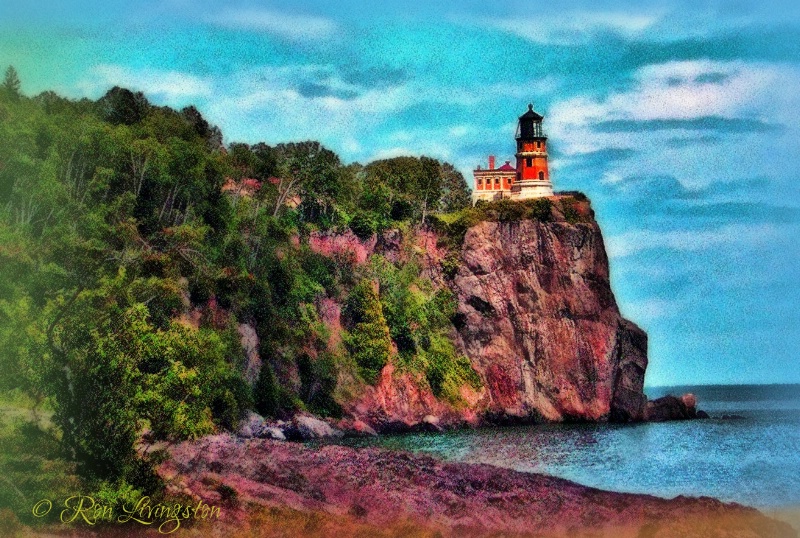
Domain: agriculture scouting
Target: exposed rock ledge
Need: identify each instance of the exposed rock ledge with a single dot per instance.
(375, 489)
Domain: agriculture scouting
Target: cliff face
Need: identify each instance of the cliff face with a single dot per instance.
(539, 323)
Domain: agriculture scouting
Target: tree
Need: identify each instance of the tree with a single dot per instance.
(406, 186)
(368, 341)
(11, 83)
(455, 192)
(309, 170)
(122, 106)
(429, 184)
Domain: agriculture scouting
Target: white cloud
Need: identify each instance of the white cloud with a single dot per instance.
(172, 87)
(575, 26)
(686, 90)
(293, 27)
(678, 90)
(630, 243)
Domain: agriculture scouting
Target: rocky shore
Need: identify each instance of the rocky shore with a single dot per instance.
(306, 427)
(377, 489)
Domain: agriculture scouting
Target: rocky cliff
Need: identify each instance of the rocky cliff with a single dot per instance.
(537, 320)
(540, 324)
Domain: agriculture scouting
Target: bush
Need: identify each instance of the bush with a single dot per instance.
(540, 209)
(265, 392)
(450, 264)
(368, 341)
(447, 371)
(508, 211)
(363, 224)
(571, 214)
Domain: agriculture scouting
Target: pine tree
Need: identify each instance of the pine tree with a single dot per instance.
(11, 83)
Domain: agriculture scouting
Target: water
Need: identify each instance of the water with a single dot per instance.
(752, 458)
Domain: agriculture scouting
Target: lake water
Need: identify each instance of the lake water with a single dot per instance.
(753, 458)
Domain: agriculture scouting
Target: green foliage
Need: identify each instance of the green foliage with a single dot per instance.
(455, 191)
(454, 226)
(450, 264)
(109, 370)
(419, 319)
(11, 83)
(318, 377)
(368, 340)
(571, 214)
(31, 465)
(187, 378)
(364, 224)
(266, 392)
(407, 188)
(122, 106)
(446, 371)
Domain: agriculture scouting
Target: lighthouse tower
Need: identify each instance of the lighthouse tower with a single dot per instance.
(533, 177)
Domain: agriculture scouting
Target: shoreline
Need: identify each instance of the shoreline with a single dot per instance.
(383, 488)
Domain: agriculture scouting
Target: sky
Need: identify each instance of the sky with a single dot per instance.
(680, 120)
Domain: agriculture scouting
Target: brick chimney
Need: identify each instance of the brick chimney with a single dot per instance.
(491, 162)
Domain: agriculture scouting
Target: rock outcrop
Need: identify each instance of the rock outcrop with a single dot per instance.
(673, 408)
(540, 324)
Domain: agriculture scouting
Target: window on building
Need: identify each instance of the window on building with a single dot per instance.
(480, 182)
(528, 161)
(541, 176)
(538, 144)
(497, 181)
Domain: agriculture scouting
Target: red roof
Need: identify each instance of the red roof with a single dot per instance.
(507, 167)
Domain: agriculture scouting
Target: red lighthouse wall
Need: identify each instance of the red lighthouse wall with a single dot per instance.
(535, 153)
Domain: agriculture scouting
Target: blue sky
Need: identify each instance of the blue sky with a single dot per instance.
(680, 120)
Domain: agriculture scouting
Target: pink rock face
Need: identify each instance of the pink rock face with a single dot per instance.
(342, 245)
(541, 326)
(401, 401)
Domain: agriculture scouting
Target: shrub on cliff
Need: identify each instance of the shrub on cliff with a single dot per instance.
(271, 398)
(454, 226)
(446, 371)
(368, 340)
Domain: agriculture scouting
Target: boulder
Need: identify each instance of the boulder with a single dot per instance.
(356, 428)
(313, 428)
(671, 408)
(252, 426)
(271, 432)
(430, 423)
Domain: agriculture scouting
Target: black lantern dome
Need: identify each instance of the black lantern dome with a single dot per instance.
(530, 125)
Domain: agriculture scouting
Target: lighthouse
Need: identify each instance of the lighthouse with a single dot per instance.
(530, 178)
(533, 176)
